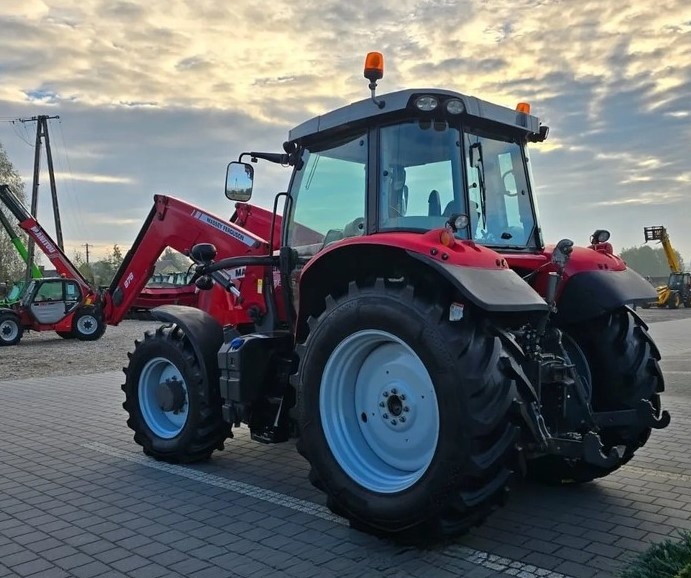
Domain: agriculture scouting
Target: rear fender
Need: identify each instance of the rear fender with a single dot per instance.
(590, 294)
(497, 289)
(204, 333)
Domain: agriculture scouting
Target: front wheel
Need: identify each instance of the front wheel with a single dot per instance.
(88, 324)
(11, 329)
(674, 301)
(405, 416)
(620, 362)
(174, 410)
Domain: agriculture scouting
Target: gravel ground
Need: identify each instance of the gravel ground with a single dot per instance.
(44, 354)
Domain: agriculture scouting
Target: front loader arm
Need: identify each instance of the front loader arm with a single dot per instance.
(28, 223)
(176, 224)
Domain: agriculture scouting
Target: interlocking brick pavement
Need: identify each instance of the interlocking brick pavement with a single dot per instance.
(78, 498)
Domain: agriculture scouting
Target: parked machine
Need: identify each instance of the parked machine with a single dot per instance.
(13, 292)
(677, 292)
(72, 307)
(408, 325)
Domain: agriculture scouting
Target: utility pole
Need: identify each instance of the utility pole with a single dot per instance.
(87, 252)
(42, 136)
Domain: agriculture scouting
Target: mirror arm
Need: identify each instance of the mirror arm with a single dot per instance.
(278, 158)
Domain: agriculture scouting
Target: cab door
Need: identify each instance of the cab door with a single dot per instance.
(327, 203)
(53, 299)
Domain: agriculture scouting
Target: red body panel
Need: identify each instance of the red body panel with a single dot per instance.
(462, 253)
(582, 259)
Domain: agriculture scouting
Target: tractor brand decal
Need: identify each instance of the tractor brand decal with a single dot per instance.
(238, 273)
(228, 230)
(129, 280)
(40, 235)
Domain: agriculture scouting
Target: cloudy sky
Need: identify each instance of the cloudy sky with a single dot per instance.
(157, 96)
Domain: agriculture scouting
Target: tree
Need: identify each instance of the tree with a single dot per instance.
(648, 261)
(11, 265)
(83, 267)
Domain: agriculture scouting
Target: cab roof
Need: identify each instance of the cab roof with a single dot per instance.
(364, 112)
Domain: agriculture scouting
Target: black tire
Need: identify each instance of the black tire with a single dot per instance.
(11, 329)
(65, 334)
(623, 361)
(474, 383)
(674, 301)
(88, 324)
(203, 430)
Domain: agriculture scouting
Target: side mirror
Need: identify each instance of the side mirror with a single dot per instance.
(203, 253)
(239, 180)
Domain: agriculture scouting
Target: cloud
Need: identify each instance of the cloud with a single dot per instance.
(159, 95)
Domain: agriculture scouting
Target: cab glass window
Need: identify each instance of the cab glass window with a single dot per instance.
(329, 196)
(420, 179)
(501, 212)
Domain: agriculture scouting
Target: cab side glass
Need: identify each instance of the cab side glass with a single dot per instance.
(239, 179)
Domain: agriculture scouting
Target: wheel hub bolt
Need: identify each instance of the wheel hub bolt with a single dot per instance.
(406, 408)
(394, 391)
(402, 419)
(393, 422)
(382, 404)
(402, 396)
(385, 394)
(385, 416)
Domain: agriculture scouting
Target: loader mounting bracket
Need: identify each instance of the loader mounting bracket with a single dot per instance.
(590, 449)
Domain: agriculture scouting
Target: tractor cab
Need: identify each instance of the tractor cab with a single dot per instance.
(426, 156)
(405, 164)
(50, 300)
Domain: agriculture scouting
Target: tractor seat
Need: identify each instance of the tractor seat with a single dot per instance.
(434, 204)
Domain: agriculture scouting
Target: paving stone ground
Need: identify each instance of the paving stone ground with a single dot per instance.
(78, 498)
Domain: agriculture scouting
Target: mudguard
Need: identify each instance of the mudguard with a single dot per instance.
(589, 294)
(204, 332)
(494, 290)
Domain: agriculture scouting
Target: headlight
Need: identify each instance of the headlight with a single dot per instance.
(426, 103)
(454, 106)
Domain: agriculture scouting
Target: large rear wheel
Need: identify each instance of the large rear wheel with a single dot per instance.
(405, 416)
(173, 409)
(620, 360)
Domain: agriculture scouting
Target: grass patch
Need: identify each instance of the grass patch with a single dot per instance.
(668, 559)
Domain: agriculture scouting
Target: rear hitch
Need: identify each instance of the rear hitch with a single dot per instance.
(589, 449)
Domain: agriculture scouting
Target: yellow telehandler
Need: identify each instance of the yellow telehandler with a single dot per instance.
(677, 292)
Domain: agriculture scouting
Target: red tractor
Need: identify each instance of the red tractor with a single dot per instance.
(413, 331)
(72, 307)
(407, 324)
